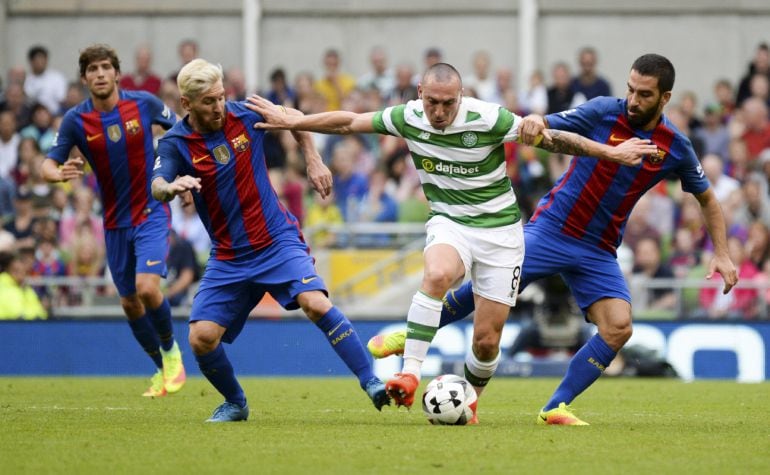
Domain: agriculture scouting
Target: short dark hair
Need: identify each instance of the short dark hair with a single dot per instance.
(38, 106)
(278, 75)
(442, 72)
(36, 50)
(6, 257)
(97, 52)
(658, 67)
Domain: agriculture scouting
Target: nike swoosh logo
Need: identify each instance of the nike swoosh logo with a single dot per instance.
(198, 159)
(152, 263)
(307, 280)
(91, 138)
(331, 332)
(615, 139)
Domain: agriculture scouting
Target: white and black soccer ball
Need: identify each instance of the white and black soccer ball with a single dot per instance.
(449, 400)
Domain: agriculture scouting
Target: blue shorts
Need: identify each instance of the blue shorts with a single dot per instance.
(590, 272)
(229, 290)
(138, 250)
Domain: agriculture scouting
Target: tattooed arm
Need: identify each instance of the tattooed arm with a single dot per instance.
(629, 152)
(534, 131)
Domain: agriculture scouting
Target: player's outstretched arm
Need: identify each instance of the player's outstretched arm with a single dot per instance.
(534, 130)
(53, 173)
(628, 153)
(165, 191)
(336, 122)
(715, 224)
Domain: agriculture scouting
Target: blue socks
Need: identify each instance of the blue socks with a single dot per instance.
(584, 368)
(217, 369)
(344, 340)
(457, 305)
(147, 337)
(161, 320)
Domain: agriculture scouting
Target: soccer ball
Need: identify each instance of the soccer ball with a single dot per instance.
(449, 400)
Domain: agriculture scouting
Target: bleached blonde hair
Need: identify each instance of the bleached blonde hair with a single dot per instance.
(197, 77)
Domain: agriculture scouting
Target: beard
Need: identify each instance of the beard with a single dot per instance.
(642, 118)
(207, 123)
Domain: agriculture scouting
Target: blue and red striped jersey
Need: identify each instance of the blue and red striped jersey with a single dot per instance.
(119, 147)
(593, 199)
(236, 203)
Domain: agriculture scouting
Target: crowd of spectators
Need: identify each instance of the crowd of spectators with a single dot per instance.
(60, 227)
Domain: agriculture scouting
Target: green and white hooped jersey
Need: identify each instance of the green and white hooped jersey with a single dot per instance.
(462, 168)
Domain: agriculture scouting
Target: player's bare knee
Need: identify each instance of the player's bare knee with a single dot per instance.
(203, 341)
(616, 333)
(315, 304)
(623, 332)
(148, 293)
(486, 346)
(437, 280)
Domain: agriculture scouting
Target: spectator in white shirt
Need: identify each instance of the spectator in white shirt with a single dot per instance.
(9, 144)
(534, 99)
(379, 77)
(723, 185)
(44, 85)
(481, 81)
(9, 156)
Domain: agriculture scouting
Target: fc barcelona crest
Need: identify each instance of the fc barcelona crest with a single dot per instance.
(132, 127)
(657, 157)
(222, 154)
(240, 143)
(114, 133)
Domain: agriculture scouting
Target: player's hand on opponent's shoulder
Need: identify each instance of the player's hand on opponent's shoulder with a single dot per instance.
(532, 130)
(318, 175)
(71, 169)
(276, 116)
(632, 151)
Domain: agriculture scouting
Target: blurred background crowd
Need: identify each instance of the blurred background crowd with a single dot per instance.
(56, 230)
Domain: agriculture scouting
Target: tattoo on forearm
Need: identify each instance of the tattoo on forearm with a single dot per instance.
(565, 142)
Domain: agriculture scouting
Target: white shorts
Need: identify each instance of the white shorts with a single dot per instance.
(492, 256)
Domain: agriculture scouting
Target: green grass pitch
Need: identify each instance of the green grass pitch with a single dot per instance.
(327, 425)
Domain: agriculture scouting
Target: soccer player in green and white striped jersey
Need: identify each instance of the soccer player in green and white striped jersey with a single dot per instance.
(457, 146)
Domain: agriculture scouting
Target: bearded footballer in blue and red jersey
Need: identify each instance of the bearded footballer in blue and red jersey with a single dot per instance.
(257, 246)
(579, 223)
(112, 129)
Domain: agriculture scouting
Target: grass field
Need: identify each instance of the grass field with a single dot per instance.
(320, 426)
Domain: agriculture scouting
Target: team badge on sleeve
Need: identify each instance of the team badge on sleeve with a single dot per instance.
(157, 163)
